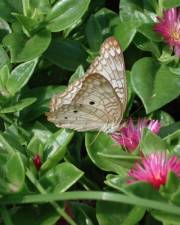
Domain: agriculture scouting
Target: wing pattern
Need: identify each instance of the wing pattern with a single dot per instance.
(97, 100)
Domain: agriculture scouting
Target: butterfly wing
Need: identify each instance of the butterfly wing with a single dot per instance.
(88, 104)
(110, 64)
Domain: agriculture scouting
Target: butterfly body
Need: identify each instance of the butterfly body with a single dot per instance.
(97, 100)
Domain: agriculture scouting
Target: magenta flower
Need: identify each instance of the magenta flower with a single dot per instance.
(130, 135)
(154, 169)
(169, 28)
(37, 161)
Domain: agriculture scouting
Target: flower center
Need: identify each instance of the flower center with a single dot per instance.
(175, 35)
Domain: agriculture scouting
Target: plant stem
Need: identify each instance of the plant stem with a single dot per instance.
(31, 177)
(5, 216)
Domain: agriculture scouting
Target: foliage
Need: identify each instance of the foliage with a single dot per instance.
(45, 44)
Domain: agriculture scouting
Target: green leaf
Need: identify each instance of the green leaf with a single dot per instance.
(139, 189)
(106, 154)
(154, 84)
(170, 4)
(40, 131)
(171, 187)
(4, 76)
(151, 143)
(145, 44)
(8, 143)
(94, 33)
(43, 214)
(166, 218)
(164, 118)
(99, 27)
(24, 48)
(4, 29)
(175, 70)
(147, 30)
(61, 177)
(4, 59)
(118, 213)
(43, 95)
(173, 138)
(15, 173)
(77, 74)
(28, 23)
(35, 146)
(169, 130)
(166, 55)
(135, 11)
(23, 103)
(125, 33)
(65, 13)
(7, 7)
(84, 213)
(20, 76)
(55, 148)
(67, 54)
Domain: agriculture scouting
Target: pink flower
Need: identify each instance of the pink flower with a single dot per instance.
(130, 135)
(154, 169)
(169, 28)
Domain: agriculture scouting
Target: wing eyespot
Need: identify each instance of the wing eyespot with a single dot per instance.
(75, 111)
(91, 103)
(65, 118)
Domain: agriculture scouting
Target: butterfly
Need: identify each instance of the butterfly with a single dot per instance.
(97, 101)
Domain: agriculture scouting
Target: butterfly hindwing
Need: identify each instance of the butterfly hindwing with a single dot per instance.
(94, 105)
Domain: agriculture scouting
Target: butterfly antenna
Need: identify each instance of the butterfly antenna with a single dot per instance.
(97, 135)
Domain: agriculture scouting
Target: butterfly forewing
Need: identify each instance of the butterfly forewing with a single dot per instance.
(110, 64)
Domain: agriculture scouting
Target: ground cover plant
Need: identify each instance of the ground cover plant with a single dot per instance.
(53, 176)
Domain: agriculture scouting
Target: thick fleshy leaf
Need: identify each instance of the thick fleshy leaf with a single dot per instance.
(140, 189)
(147, 30)
(135, 11)
(156, 85)
(61, 177)
(20, 76)
(145, 44)
(166, 218)
(170, 4)
(94, 33)
(125, 33)
(15, 173)
(43, 96)
(99, 27)
(7, 7)
(40, 131)
(106, 154)
(4, 59)
(4, 76)
(67, 54)
(151, 143)
(23, 103)
(77, 74)
(65, 13)
(56, 147)
(43, 214)
(4, 28)
(23, 48)
(117, 213)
